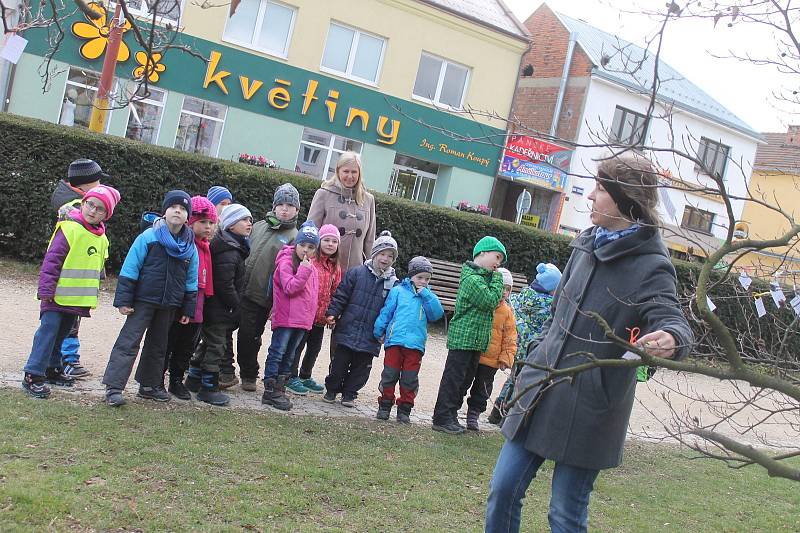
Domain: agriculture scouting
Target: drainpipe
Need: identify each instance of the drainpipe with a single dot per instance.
(563, 87)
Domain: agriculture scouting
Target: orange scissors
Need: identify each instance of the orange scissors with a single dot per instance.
(634, 334)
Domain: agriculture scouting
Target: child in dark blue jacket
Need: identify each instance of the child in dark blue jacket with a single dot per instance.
(355, 306)
(158, 278)
(403, 327)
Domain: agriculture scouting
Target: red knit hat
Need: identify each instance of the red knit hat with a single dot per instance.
(106, 194)
(202, 208)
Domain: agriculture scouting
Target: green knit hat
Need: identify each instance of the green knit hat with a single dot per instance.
(489, 244)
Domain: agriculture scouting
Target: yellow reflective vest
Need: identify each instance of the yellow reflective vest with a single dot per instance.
(79, 282)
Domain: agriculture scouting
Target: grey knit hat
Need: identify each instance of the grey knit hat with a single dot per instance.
(83, 171)
(384, 242)
(286, 194)
(233, 214)
(418, 265)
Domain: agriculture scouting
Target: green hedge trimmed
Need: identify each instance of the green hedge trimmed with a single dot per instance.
(34, 155)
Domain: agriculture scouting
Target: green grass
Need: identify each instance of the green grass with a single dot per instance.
(79, 465)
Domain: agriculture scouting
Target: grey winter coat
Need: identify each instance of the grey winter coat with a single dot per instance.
(631, 283)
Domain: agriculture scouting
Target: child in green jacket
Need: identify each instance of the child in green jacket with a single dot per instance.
(480, 290)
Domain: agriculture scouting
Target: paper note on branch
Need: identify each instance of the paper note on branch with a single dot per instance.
(760, 309)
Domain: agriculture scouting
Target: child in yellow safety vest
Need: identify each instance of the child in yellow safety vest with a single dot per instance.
(69, 283)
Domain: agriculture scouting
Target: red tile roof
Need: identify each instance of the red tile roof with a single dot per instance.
(777, 155)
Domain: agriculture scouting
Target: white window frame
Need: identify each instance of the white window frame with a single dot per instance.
(435, 101)
(68, 82)
(156, 103)
(192, 113)
(329, 148)
(351, 58)
(142, 12)
(262, 9)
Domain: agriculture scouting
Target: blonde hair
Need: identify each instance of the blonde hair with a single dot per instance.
(359, 191)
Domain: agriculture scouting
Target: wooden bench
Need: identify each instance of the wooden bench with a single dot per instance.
(444, 282)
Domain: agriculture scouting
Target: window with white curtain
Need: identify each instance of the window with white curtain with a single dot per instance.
(263, 25)
(353, 53)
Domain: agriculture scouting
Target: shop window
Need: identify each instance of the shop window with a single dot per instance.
(413, 178)
(319, 152)
(441, 82)
(714, 156)
(167, 10)
(697, 219)
(263, 25)
(79, 94)
(144, 116)
(200, 126)
(353, 53)
(628, 127)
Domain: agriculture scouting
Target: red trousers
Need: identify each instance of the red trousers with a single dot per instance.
(400, 364)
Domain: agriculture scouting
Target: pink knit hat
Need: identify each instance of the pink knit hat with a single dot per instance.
(329, 230)
(106, 194)
(202, 208)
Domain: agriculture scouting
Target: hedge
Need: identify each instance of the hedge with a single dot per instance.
(36, 154)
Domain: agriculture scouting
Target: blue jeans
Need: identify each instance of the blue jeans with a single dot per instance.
(515, 469)
(281, 353)
(46, 349)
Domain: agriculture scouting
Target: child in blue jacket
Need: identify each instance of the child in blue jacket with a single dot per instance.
(403, 328)
(158, 279)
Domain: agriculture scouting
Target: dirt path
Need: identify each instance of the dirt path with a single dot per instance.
(19, 316)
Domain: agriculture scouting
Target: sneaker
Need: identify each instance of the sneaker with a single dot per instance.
(227, 381)
(348, 402)
(76, 371)
(114, 397)
(35, 386)
(156, 393)
(313, 386)
(179, 390)
(452, 428)
(329, 397)
(56, 376)
(295, 386)
(249, 384)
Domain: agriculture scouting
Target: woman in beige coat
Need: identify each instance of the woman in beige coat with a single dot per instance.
(343, 201)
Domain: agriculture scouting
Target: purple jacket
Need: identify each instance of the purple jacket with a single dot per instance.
(49, 274)
(294, 295)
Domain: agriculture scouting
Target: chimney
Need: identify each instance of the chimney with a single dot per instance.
(793, 135)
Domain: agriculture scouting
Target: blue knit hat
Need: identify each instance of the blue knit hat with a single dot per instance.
(177, 197)
(548, 275)
(218, 193)
(308, 233)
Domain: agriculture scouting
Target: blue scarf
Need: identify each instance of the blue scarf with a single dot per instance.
(604, 236)
(180, 246)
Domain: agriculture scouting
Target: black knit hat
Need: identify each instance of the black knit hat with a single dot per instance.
(83, 171)
(177, 197)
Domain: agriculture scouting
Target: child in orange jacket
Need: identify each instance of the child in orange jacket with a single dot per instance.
(499, 355)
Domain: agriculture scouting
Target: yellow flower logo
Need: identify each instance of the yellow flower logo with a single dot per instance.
(149, 66)
(96, 34)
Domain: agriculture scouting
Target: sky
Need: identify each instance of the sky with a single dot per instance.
(745, 89)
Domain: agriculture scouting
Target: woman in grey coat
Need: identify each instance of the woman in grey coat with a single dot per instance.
(620, 269)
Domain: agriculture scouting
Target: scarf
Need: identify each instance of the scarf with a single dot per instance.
(205, 275)
(180, 246)
(604, 236)
(77, 216)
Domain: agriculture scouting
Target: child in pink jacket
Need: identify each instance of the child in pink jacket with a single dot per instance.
(295, 288)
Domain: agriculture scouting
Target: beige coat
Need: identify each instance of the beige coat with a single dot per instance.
(356, 223)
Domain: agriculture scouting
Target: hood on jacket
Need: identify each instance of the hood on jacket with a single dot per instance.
(63, 194)
(285, 254)
(275, 223)
(226, 239)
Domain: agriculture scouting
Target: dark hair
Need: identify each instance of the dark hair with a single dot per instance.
(632, 183)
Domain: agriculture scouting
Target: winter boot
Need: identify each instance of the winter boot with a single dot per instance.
(249, 384)
(472, 419)
(177, 388)
(56, 376)
(34, 385)
(193, 379)
(275, 395)
(404, 412)
(385, 409)
(227, 380)
(209, 390)
(495, 417)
